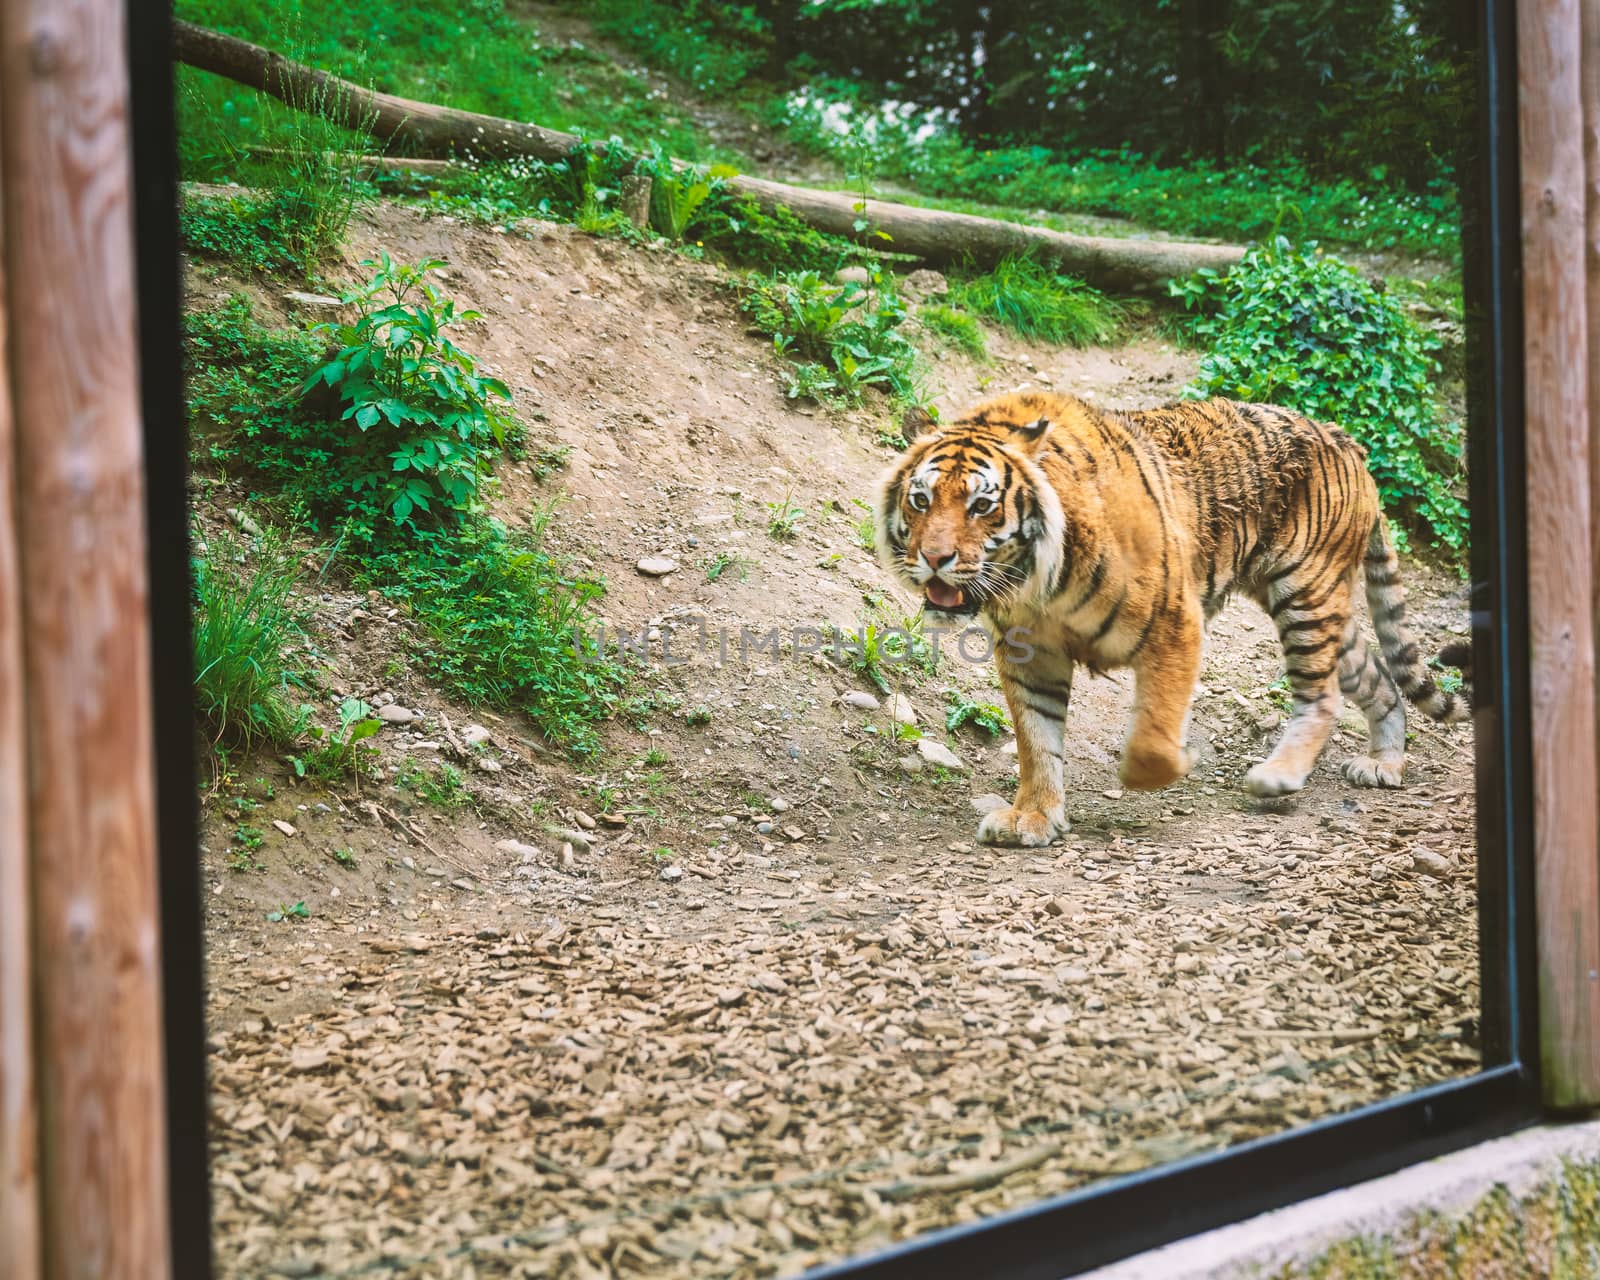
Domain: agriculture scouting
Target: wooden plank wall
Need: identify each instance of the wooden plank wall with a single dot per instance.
(79, 571)
(19, 1181)
(1554, 85)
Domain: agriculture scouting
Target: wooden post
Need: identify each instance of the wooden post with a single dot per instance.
(19, 1139)
(1560, 548)
(65, 181)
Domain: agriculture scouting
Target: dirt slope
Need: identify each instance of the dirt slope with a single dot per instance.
(482, 1058)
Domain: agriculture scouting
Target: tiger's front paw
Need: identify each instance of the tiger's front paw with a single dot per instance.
(1027, 827)
(1151, 768)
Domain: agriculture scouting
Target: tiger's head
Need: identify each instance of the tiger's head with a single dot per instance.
(967, 518)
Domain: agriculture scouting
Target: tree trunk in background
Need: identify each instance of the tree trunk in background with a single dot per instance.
(1121, 266)
(1202, 23)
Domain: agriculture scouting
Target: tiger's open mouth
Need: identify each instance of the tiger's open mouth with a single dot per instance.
(947, 599)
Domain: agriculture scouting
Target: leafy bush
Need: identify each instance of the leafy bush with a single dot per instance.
(1292, 327)
(777, 241)
(987, 716)
(427, 420)
(503, 625)
(244, 620)
(849, 337)
(1033, 301)
(957, 328)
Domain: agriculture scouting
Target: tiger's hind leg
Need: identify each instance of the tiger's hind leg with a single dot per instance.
(1311, 621)
(1363, 677)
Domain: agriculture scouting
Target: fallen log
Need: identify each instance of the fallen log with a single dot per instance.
(1109, 263)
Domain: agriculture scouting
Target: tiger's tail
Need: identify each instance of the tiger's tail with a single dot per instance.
(1386, 601)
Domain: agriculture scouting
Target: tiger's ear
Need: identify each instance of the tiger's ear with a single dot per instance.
(1033, 432)
(918, 421)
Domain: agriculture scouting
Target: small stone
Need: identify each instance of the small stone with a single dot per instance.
(794, 833)
(672, 874)
(489, 933)
(308, 1058)
(526, 852)
(488, 764)
(577, 839)
(692, 541)
(1072, 975)
(462, 883)
(764, 828)
(247, 526)
(283, 826)
(409, 863)
(474, 734)
(909, 764)
(1010, 749)
(583, 820)
(780, 805)
(860, 701)
(396, 714)
(657, 566)
(935, 752)
(1429, 863)
(730, 996)
(312, 299)
(853, 275)
(925, 284)
(901, 710)
(959, 846)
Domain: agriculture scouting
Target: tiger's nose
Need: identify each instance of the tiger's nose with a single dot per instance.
(939, 562)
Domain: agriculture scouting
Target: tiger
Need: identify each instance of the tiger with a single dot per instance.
(1104, 539)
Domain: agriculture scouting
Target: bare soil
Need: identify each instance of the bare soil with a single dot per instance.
(486, 1058)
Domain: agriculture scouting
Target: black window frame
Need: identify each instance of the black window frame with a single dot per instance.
(1079, 1230)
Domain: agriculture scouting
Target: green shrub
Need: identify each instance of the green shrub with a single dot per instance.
(1035, 302)
(1292, 327)
(849, 338)
(425, 422)
(244, 621)
(504, 627)
(776, 241)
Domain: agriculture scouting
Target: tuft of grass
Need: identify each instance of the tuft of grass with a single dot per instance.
(959, 329)
(1034, 301)
(245, 618)
(783, 518)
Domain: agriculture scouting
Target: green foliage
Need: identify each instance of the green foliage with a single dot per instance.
(285, 912)
(872, 650)
(958, 328)
(685, 39)
(338, 752)
(849, 338)
(777, 241)
(783, 518)
(504, 626)
(723, 561)
(479, 55)
(1034, 301)
(1289, 326)
(441, 786)
(1188, 196)
(306, 188)
(983, 715)
(426, 422)
(244, 621)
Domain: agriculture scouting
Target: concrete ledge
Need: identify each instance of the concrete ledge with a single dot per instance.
(1449, 1186)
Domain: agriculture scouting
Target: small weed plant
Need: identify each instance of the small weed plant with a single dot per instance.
(339, 752)
(1291, 326)
(783, 518)
(987, 716)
